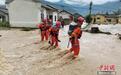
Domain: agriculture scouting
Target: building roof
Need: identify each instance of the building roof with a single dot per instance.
(3, 9)
(71, 13)
(8, 1)
(55, 7)
(59, 8)
(46, 6)
(51, 6)
(77, 14)
(111, 16)
(98, 14)
(66, 12)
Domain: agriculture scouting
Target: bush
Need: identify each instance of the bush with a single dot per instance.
(4, 24)
(66, 21)
(88, 18)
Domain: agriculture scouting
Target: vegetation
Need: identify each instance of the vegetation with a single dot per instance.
(4, 24)
(88, 19)
(66, 21)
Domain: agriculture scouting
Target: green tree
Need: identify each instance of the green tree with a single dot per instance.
(107, 13)
(88, 19)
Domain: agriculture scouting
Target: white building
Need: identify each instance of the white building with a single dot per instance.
(28, 13)
(24, 13)
(119, 19)
(49, 12)
(64, 14)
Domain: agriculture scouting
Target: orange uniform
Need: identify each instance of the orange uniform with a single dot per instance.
(54, 31)
(75, 35)
(54, 36)
(49, 26)
(75, 41)
(44, 33)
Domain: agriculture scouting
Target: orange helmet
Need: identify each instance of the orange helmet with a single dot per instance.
(80, 20)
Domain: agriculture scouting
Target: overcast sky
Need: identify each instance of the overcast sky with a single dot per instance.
(84, 1)
(76, 1)
(2, 1)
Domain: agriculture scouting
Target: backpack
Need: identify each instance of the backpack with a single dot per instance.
(71, 28)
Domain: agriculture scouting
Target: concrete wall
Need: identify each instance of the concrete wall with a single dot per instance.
(24, 13)
(113, 21)
(105, 20)
(102, 19)
(44, 11)
(119, 20)
(64, 15)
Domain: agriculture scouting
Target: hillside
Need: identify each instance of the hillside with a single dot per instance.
(83, 9)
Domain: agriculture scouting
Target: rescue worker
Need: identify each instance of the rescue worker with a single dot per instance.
(43, 28)
(74, 38)
(71, 18)
(62, 21)
(49, 25)
(58, 25)
(54, 32)
(50, 22)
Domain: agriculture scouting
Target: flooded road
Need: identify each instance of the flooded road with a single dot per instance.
(24, 57)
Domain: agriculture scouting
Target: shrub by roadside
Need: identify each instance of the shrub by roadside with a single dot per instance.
(4, 24)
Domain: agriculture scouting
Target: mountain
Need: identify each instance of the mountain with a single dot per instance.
(84, 9)
(60, 6)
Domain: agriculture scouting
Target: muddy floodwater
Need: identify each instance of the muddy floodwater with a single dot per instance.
(21, 53)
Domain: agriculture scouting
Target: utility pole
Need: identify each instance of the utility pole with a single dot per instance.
(90, 8)
(88, 18)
